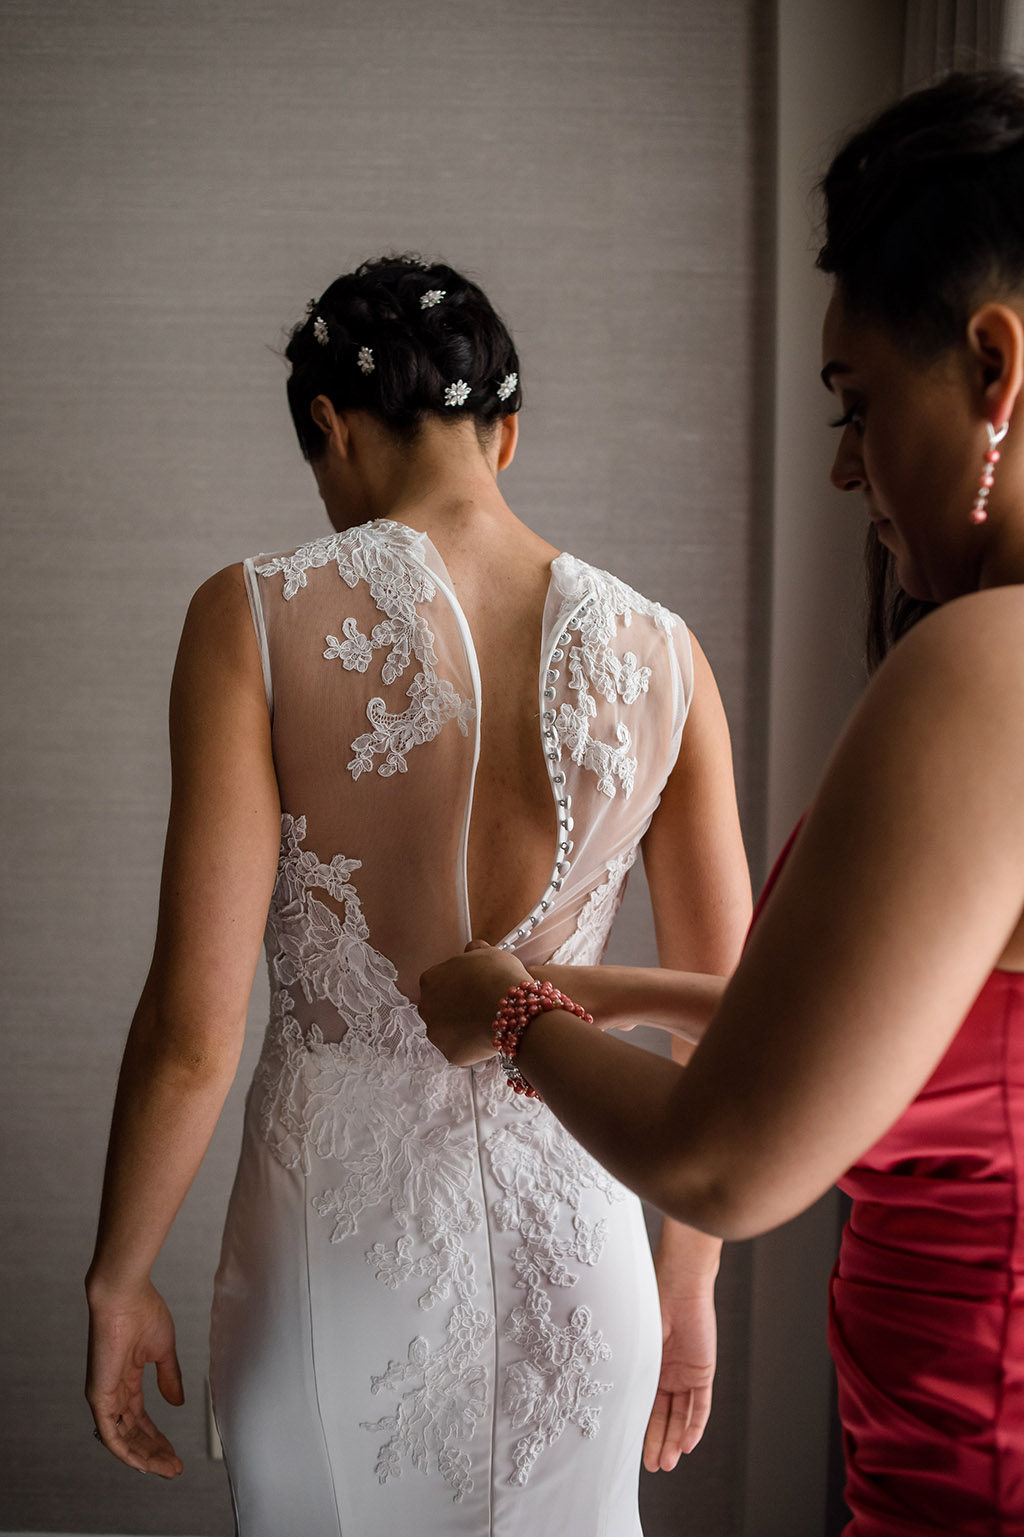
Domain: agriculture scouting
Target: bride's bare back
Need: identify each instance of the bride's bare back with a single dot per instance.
(481, 740)
(503, 590)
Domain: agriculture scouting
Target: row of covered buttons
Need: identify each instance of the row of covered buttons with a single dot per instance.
(563, 800)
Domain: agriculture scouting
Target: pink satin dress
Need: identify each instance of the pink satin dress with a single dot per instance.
(926, 1312)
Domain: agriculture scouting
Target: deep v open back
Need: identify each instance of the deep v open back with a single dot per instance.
(433, 1309)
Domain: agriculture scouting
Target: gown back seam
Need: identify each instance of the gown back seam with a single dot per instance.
(312, 1352)
(494, 1297)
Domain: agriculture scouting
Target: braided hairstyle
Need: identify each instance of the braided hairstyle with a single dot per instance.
(403, 339)
(924, 218)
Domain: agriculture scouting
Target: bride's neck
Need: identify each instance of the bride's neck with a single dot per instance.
(442, 480)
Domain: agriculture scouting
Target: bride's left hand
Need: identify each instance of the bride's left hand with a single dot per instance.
(683, 1401)
(459, 999)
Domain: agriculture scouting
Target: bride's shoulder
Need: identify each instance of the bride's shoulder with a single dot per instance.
(221, 594)
(218, 629)
(577, 579)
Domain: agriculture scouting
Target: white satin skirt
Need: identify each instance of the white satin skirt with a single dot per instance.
(465, 1345)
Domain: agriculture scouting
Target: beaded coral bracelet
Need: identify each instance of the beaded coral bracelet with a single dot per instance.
(519, 1006)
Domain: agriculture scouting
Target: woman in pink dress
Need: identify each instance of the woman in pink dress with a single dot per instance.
(873, 1032)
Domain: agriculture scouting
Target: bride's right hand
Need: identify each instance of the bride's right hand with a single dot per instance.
(126, 1331)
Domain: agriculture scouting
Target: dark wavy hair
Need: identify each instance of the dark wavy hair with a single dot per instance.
(924, 217)
(379, 340)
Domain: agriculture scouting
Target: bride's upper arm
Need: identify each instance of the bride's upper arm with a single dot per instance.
(224, 824)
(693, 851)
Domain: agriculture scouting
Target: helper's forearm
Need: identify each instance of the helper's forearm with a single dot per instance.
(621, 1103)
(170, 1093)
(680, 1002)
(687, 1260)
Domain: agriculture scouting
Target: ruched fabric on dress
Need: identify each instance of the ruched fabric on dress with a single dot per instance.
(926, 1317)
(926, 1304)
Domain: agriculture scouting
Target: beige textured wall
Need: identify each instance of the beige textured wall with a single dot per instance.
(177, 179)
(837, 63)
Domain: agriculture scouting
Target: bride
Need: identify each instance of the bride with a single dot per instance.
(429, 726)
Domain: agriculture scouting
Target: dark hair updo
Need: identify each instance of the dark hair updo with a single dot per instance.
(924, 209)
(924, 219)
(403, 339)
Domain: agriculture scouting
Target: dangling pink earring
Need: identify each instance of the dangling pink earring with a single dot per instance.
(979, 512)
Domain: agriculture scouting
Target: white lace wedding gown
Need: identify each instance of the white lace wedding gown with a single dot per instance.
(434, 1312)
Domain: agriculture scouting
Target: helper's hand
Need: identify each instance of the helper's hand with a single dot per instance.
(459, 999)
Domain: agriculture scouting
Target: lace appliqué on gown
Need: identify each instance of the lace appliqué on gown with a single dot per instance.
(311, 1100)
(355, 652)
(388, 557)
(595, 668)
(585, 945)
(543, 1173)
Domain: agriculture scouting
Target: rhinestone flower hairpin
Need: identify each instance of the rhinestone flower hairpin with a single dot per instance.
(432, 298)
(458, 393)
(507, 386)
(320, 331)
(364, 360)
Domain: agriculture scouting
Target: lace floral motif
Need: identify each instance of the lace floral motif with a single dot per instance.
(434, 701)
(312, 1099)
(530, 1396)
(354, 652)
(448, 1395)
(585, 945)
(307, 1089)
(389, 558)
(371, 552)
(607, 762)
(416, 1154)
(543, 1173)
(595, 668)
